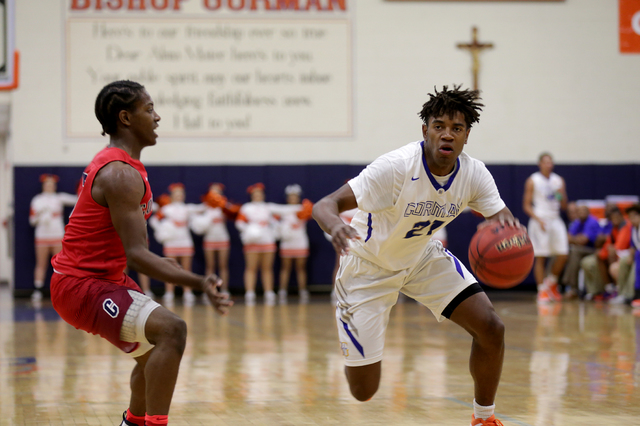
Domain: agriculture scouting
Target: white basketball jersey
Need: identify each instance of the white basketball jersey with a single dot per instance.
(545, 203)
(402, 205)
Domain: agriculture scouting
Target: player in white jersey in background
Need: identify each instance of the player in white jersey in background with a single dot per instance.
(46, 215)
(544, 195)
(404, 197)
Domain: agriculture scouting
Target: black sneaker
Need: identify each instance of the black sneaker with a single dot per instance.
(125, 422)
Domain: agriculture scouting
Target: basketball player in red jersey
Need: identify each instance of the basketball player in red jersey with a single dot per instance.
(106, 233)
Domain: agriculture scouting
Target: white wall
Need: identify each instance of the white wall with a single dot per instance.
(554, 81)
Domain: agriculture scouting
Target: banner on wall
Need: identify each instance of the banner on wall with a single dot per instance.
(630, 26)
(215, 68)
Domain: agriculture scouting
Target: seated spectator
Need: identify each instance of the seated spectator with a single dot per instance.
(598, 283)
(633, 213)
(583, 233)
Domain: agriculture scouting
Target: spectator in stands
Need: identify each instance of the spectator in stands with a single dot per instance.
(633, 213)
(583, 233)
(598, 282)
(572, 211)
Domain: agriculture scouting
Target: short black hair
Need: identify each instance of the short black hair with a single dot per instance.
(451, 101)
(545, 154)
(113, 98)
(633, 208)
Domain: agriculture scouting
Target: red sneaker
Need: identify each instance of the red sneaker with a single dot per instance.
(543, 296)
(555, 293)
(491, 421)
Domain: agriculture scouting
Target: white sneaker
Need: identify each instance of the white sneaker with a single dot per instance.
(250, 298)
(167, 298)
(269, 298)
(188, 298)
(304, 296)
(205, 299)
(618, 300)
(282, 296)
(36, 296)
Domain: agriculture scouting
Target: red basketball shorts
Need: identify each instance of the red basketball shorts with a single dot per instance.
(94, 305)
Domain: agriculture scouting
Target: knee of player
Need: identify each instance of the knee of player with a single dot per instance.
(493, 330)
(176, 333)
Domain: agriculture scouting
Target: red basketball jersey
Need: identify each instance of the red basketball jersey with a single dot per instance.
(91, 246)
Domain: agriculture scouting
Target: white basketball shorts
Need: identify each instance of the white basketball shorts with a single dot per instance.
(552, 241)
(366, 293)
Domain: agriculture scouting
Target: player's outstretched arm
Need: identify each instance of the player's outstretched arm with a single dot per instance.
(119, 187)
(326, 213)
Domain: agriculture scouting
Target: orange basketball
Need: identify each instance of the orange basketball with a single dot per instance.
(501, 256)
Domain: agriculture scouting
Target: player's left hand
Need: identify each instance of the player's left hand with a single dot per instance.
(220, 302)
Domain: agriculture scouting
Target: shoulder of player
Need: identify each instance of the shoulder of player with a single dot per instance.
(471, 165)
(401, 158)
(118, 176)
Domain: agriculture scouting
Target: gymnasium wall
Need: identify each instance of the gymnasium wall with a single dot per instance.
(321, 91)
(583, 182)
(555, 79)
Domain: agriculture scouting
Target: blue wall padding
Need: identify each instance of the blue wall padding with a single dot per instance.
(583, 182)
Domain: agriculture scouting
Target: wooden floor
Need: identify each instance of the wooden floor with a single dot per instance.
(570, 364)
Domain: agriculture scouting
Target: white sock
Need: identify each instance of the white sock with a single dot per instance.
(481, 412)
(553, 278)
(38, 284)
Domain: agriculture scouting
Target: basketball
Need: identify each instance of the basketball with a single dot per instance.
(501, 256)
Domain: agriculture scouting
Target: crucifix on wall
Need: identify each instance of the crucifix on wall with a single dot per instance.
(475, 47)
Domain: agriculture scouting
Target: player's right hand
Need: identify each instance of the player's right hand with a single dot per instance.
(340, 236)
(220, 302)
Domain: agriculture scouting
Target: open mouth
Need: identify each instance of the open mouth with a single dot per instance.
(446, 150)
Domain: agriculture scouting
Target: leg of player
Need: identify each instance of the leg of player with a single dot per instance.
(168, 333)
(364, 380)
(477, 316)
(138, 401)
(539, 269)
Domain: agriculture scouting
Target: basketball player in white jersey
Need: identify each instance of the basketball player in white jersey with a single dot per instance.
(544, 195)
(403, 198)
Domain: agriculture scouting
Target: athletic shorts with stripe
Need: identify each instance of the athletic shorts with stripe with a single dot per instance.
(116, 311)
(552, 241)
(366, 293)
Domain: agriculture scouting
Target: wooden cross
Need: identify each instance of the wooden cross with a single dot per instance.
(475, 47)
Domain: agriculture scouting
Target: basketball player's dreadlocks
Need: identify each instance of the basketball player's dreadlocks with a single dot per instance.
(448, 102)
